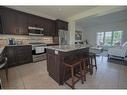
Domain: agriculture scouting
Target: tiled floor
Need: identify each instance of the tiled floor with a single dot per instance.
(35, 76)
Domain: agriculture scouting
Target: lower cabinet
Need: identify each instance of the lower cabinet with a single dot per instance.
(18, 55)
(53, 65)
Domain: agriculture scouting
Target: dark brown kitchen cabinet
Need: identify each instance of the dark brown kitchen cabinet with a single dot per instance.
(47, 24)
(9, 22)
(60, 25)
(49, 28)
(14, 22)
(1, 25)
(34, 21)
(21, 25)
(53, 68)
(18, 55)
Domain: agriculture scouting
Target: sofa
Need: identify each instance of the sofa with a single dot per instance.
(118, 52)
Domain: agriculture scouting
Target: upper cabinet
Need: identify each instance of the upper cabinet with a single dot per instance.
(34, 21)
(8, 21)
(47, 24)
(22, 23)
(16, 23)
(61, 24)
(13, 22)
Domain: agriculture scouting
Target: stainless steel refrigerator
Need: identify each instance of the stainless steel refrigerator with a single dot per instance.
(63, 37)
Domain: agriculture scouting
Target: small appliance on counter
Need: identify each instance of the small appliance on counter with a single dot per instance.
(11, 41)
(19, 42)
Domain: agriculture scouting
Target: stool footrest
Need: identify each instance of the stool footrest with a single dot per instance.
(69, 81)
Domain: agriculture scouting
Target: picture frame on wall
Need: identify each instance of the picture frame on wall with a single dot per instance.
(78, 35)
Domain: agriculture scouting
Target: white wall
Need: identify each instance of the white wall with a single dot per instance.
(71, 33)
(91, 31)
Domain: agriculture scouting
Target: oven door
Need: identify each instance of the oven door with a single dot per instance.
(39, 50)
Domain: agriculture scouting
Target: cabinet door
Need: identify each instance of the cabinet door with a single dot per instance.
(21, 58)
(53, 32)
(1, 20)
(62, 24)
(34, 21)
(46, 26)
(14, 22)
(21, 27)
(53, 65)
(9, 22)
(1, 25)
(11, 56)
(50, 59)
(49, 28)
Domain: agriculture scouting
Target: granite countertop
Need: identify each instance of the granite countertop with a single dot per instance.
(67, 48)
(18, 45)
(2, 48)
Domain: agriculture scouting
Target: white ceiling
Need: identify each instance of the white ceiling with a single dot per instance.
(105, 19)
(53, 12)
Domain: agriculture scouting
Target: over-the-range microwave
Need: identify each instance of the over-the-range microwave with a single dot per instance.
(35, 31)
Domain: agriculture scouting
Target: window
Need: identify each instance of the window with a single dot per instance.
(109, 38)
(100, 36)
(117, 36)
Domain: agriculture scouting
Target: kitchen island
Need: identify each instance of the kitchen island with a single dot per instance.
(57, 54)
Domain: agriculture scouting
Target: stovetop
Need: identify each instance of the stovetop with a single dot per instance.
(38, 44)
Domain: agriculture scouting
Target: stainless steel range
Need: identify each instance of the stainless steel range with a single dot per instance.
(38, 51)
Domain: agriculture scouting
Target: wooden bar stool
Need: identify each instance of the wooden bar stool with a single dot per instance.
(72, 65)
(84, 68)
(87, 64)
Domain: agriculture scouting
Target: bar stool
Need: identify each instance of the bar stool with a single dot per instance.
(87, 66)
(93, 57)
(72, 65)
(84, 68)
(82, 57)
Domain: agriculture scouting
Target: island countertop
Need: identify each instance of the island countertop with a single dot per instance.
(67, 48)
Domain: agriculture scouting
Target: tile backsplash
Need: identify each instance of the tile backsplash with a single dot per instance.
(25, 39)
